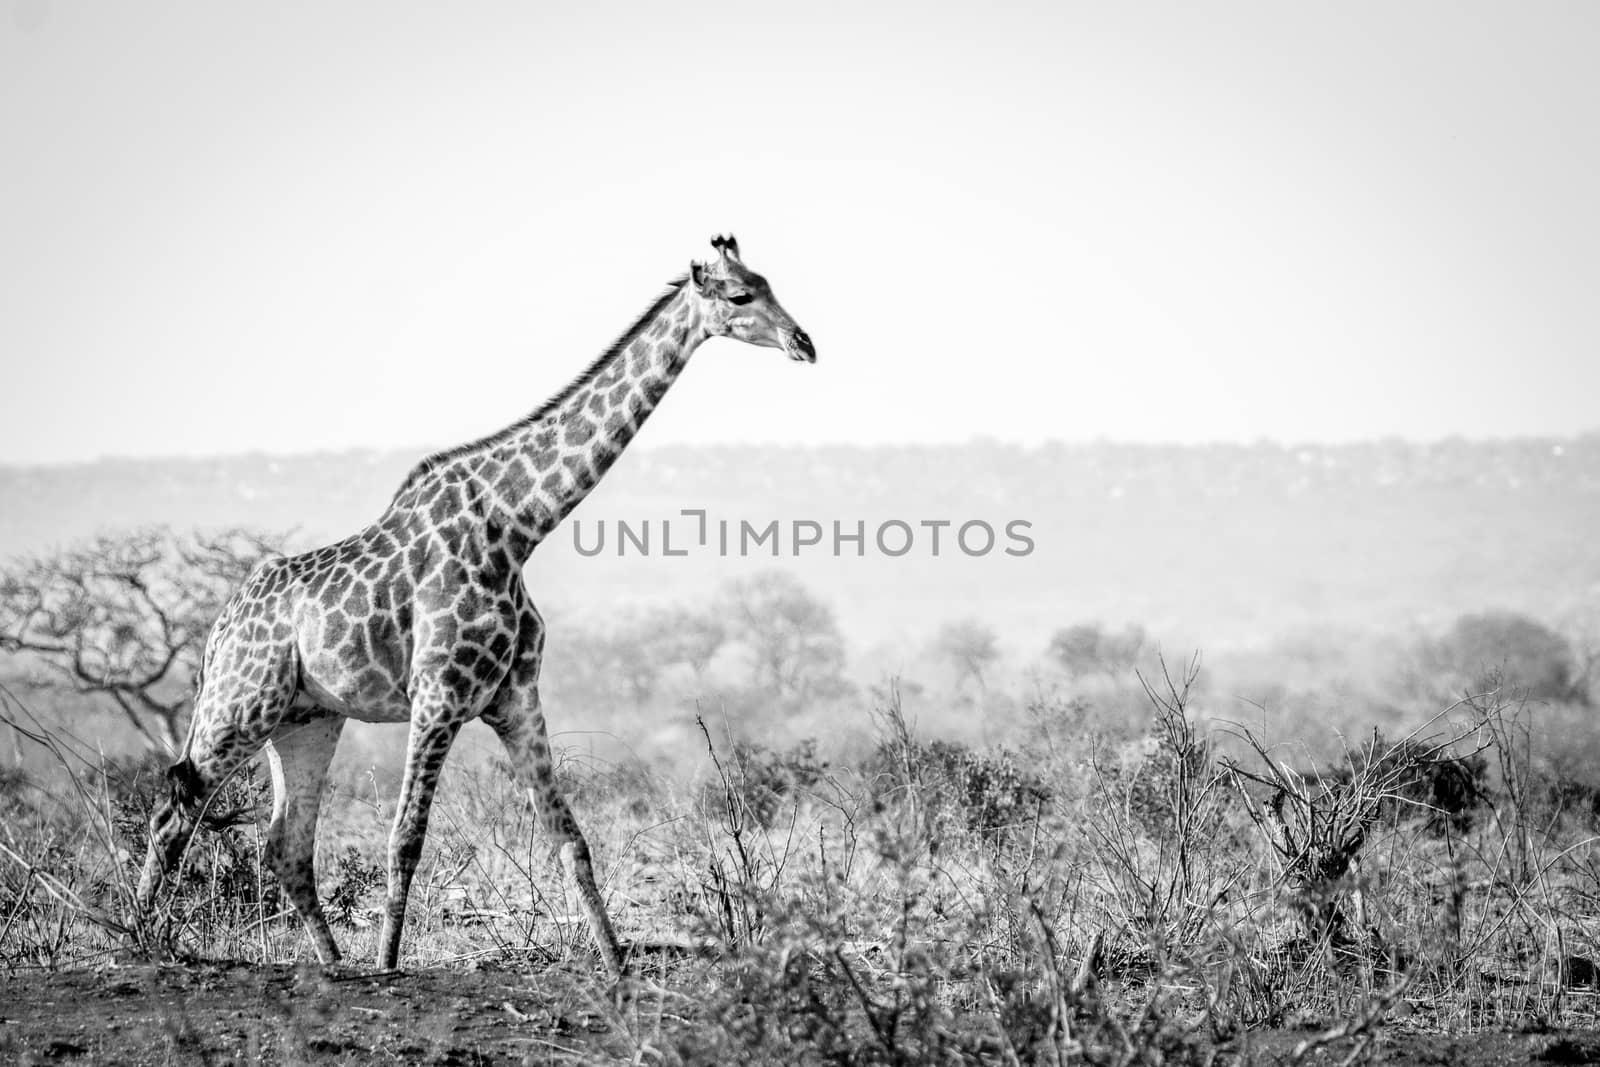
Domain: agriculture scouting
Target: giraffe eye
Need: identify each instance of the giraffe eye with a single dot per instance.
(741, 298)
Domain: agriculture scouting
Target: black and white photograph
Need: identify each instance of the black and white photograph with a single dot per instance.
(856, 534)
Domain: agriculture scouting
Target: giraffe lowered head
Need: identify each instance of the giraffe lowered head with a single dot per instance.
(737, 302)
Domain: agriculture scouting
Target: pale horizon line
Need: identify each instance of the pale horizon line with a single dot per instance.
(1264, 441)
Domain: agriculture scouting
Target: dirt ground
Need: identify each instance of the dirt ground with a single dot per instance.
(223, 1013)
(477, 1015)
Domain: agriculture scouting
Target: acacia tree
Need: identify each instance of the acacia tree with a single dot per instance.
(1088, 648)
(650, 642)
(689, 636)
(123, 617)
(796, 650)
(627, 659)
(1506, 649)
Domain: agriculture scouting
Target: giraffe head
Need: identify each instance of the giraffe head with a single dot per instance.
(737, 302)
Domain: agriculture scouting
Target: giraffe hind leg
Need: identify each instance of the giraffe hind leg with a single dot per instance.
(299, 754)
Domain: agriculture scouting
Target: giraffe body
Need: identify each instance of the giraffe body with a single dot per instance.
(423, 617)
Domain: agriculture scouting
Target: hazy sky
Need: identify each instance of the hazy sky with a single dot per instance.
(284, 227)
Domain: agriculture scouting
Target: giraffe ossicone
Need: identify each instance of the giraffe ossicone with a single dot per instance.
(423, 616)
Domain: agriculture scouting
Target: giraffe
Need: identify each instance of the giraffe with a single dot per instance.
(423, 617)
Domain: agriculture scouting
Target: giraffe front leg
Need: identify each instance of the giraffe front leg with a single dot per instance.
(432, 732)
(299, 755)
(519, 723)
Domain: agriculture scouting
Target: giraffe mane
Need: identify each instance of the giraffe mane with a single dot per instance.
(439, 459)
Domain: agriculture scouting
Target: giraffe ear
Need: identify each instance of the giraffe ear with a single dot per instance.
(700, 278)
(727, 246)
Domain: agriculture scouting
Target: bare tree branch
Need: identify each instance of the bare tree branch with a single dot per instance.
(122, 618)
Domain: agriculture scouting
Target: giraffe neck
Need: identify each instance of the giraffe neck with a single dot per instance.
(533, 473)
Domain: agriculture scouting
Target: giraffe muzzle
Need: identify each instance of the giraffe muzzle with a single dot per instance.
(801, 347)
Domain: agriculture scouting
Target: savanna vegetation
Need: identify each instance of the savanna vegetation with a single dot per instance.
(1094, 850)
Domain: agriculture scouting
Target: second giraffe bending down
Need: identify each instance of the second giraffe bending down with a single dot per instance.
(423, 617)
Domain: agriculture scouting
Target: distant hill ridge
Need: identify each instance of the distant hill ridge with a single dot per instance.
(1218, 542)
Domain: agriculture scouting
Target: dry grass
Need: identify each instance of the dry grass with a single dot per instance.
(921, 902)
